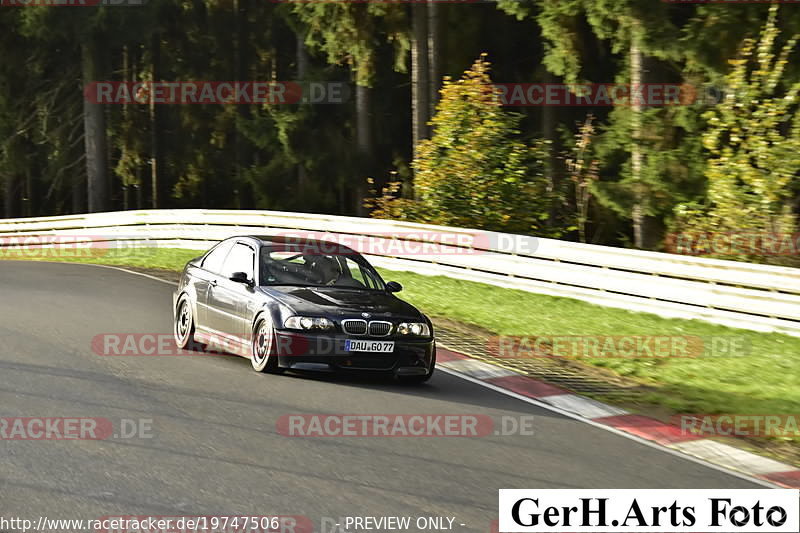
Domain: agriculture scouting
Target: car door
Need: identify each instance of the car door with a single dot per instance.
(228, 300)
(208, 273)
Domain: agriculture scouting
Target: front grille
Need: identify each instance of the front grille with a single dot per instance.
(380, 329)
(376, 328)
(355, 327)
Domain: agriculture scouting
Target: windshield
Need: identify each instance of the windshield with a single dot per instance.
(286, 267)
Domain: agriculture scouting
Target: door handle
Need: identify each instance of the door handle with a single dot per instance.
(213, 283)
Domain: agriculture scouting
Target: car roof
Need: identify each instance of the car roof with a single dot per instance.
(290, 241)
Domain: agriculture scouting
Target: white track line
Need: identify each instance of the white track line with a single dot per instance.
(128, 271)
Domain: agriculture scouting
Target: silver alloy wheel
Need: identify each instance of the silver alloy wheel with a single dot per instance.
(263, 343)
(183, 324)
(263, 358)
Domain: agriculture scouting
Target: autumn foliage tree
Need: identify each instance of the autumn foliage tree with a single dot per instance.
(753, 142)
(475, 171)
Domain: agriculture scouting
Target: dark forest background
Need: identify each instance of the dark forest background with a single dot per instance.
(624, 175)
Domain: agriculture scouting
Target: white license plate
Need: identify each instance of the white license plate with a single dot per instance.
(352, 345)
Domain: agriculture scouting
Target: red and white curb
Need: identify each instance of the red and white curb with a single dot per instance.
(649, 429)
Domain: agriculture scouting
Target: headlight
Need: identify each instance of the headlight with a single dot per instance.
(307, 322)
(417, 329)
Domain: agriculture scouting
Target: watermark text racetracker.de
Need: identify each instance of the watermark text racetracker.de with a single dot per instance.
(605, 94)
(217, 92)
(13, 428)
(70, 3)
(649, 510)
(617, 346)
(756, 243)
(730, 1)
(163, 345)
(403, 425)
(406, 243)
(739, 425)
(286, 344)
(73, 246)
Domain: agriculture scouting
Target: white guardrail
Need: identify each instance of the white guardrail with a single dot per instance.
(744, 295)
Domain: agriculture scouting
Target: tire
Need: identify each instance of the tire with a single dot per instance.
(263, 343)
(184, 327)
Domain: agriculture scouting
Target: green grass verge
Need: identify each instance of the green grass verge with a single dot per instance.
(765, 381)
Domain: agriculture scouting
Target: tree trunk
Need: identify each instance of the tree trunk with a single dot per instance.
(302, 74)
(140, 198)
(94, 121)
(156, 184)
(420, 73)
(11, 196)
(126, 77)
(29, 208)
(434, 54)
(244, 198)
(548, 126)
(364, 147)
(637, 156)
(78, 190)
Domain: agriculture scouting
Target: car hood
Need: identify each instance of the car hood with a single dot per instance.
(341, 302)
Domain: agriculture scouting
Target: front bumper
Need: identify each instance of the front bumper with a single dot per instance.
(326, 353)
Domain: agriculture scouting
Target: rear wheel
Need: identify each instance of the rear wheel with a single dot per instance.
(264, 357)
(184, 325)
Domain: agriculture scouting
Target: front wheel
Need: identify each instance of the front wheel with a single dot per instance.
(264, 357)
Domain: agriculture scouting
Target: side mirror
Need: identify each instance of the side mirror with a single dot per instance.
(241, 277)
(393, 286)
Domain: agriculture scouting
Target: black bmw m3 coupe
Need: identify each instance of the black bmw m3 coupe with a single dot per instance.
(310, 305)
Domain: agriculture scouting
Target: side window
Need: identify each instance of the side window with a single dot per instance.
(361, 275)
(240, 259)
(355, 272)
(213, 261)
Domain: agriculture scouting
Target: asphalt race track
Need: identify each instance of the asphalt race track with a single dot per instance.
(215, 449)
